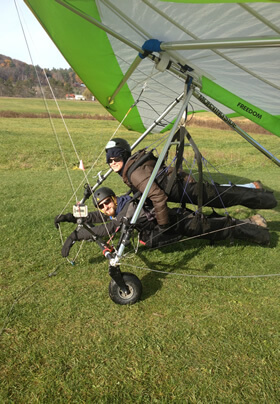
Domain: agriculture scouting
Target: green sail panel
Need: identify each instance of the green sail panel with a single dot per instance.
(242, 107)
(243, 81)
(88, 51)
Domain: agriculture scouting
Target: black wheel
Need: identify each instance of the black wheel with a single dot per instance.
(134, 286)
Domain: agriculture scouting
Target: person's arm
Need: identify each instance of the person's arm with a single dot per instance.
(83, 234)
(93, 217)
(96, 217)
(139, 179)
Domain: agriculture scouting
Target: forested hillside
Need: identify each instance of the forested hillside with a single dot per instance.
(19, 79)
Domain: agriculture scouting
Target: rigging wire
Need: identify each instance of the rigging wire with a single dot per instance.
(95, 162)
(22, 294)
(45, 101)
(74, 194)
(203, 276)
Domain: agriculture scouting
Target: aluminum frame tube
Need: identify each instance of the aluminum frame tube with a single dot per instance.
(234, 126)
(155, 171)
(222, 43)
(124, 40)
(99, 24)
(129, 72)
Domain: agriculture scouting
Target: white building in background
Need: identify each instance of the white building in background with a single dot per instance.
(80, 97)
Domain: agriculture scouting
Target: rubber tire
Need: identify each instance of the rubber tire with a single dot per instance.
(135, 287)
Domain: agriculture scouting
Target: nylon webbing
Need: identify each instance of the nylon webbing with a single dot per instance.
(179, 135)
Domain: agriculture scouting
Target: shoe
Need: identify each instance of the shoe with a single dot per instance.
(258, 184)
(258, 220)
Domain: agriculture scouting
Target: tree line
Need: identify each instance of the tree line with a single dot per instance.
(19, 79)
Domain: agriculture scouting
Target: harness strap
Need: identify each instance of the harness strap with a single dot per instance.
(200, 173)
(139, 158)
(179, 135)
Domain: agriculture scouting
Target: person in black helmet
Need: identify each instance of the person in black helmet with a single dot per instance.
(112, 209)
(184, 188)
(117, 154)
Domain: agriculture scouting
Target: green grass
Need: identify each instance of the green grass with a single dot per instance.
(37, 106)
(190, 339)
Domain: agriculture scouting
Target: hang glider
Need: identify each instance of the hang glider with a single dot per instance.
(229, 49)
(156, 58)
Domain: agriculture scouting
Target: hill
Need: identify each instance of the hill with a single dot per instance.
(19, 79)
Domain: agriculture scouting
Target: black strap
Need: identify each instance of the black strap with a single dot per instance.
(198, 157)
(179, 135)
(143, 157)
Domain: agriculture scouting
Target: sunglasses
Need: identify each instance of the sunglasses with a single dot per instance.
(104, 203)
(115, 159)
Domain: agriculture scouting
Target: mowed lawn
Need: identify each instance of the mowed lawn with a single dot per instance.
(207, 327)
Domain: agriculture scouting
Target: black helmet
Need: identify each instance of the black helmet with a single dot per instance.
(102, 193)
(118, 142)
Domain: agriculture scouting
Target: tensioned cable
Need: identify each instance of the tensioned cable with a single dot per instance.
(45, 102)
(69, 135)
(96, 161)
(203, 276)
(51, 121)
(103, 221)
(62, 117)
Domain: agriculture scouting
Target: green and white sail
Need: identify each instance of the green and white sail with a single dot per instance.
(230, 49)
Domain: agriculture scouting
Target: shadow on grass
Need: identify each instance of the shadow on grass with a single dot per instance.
(273, 235)
(152, 282)
(98, 259)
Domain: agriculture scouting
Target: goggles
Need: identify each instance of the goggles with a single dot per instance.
(115, 159)
(104, 203)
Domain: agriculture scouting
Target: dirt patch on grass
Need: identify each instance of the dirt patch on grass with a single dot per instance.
(216, 123)
(205, 122)
(13, 114)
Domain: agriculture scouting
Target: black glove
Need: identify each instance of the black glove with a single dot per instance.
(88, 191)
(70, 241)
(64, 218)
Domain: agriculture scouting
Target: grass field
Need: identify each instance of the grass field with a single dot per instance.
(37, 106)
(207, 327)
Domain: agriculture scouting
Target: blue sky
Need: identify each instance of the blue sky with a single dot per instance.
(12, 42)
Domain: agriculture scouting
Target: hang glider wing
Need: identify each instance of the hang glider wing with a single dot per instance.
(230, 50)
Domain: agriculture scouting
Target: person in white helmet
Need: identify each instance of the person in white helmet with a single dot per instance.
(136, 171)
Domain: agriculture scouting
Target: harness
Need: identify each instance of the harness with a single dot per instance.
(140, 157)
(143, 156)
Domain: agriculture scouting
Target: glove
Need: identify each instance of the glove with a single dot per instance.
(88, 191)
(70, 241)
(64, 218)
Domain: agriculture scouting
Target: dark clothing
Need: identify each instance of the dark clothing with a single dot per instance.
(121, 202)
(186, 223)
(183, 223)
(186, 191)
(108, 224)
(138, 181)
